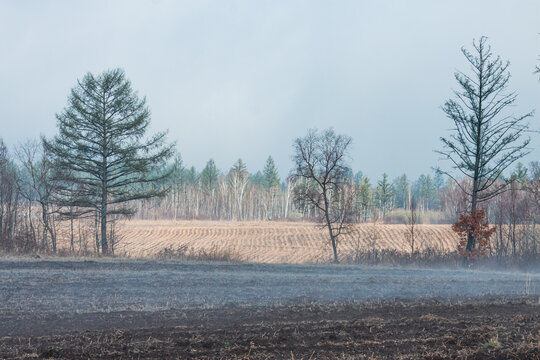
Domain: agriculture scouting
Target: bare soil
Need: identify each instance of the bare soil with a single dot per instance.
(125, 309)
(487, 330)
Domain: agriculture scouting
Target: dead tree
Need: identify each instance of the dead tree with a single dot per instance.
(412, 220)
(487, 138)
(321, 166)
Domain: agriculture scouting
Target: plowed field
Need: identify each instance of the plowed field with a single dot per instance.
(273, 242)
(60, 308)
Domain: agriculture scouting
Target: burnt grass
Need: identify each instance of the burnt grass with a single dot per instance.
(133, 309)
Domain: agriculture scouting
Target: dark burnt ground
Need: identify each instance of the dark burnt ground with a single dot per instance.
(482, 329)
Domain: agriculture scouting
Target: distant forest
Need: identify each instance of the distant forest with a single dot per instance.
(236, 194)
(31, 219)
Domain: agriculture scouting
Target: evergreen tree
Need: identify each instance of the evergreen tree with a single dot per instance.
(384, 195)
(428, 192)
(176, 181)
(520, 173)
(358, 177)
(209, 177)
(257, 178)
(238, 178)
(365, 198)
(191, 176)
(270, 174)
(101, 155)
(401, 185)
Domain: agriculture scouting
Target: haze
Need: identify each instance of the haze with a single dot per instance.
(242, 79)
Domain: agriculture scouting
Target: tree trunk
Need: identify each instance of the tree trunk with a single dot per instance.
(72, 244)
(104, 244)
(333, 239)
(96, 232)
(329, 224)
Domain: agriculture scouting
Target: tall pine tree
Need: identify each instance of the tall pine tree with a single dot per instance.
(101, 154)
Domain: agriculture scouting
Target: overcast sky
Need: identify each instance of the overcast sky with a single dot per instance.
(242, 79)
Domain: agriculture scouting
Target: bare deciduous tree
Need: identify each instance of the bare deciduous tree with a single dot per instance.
(412, 220)
(36, 186)
(321, 164)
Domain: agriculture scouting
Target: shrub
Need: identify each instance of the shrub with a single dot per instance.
(473, 225)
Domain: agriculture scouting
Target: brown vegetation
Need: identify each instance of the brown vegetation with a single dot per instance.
(270, 242)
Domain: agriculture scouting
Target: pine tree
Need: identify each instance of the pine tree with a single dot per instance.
(238, 180)
(365, 198)
(176, 182)
(209, 177)
(270, 174)
(101, 154)
(384, 194)
(401, 185)
(271, 183)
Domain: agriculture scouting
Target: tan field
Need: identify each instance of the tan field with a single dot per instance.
(273, 242)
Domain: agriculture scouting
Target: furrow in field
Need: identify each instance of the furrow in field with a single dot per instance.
(271, 242)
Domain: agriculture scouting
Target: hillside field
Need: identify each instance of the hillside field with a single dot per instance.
(272, 242)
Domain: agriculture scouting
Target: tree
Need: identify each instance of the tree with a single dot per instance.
(475, 224)
(9, 198)
(101, 154)
(486, 139)
(412, 220)
(209, 177)
(426, 191)
(36, 186)
(365, 198)
(271, 183)
(321, 163)
(358, 177)
(384, 194)
(209, 186)
(176, 182)
(270, 174)
(238, 179)
(401, 186)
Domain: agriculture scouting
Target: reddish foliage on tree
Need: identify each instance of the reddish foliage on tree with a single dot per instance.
(479, 229)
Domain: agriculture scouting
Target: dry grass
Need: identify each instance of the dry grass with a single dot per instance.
(272, 242)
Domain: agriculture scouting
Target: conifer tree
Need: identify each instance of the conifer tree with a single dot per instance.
(270, 174)
(101, 154)
(384, 194)
(209, 177)
(487, 137)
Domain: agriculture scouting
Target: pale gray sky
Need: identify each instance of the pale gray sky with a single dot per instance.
(234, 79)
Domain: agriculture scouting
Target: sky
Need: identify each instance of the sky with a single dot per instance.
(243, 79)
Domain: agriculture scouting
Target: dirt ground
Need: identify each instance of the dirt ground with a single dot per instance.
(133, 309)
(429, 330)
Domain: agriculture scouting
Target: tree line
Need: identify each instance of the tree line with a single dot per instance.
(102, 166)
(31, 216)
